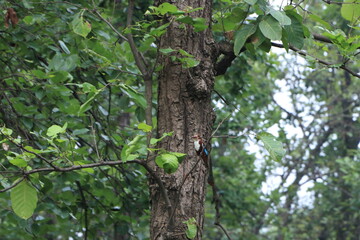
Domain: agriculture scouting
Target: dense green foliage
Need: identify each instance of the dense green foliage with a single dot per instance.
(72, 95)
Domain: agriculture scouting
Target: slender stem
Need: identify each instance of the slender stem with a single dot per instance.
(85, 206)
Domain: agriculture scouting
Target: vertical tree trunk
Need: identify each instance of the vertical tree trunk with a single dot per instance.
(184, 107)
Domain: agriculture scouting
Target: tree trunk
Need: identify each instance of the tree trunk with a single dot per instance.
(184, 107)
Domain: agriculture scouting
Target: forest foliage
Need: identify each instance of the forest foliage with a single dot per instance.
(73, 133)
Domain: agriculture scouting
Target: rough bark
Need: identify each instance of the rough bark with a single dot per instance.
(184, 107)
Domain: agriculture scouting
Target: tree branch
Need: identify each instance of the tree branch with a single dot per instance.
(321, 38)
(110, 25)
(93, 165)
(302, 53)
(225, 48)
(338, 3)
(141, 64)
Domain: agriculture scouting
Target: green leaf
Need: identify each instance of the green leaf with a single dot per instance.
(131, 147)
(188, 62)
(185, 19)
(156, 140)
(65, 63)
(64, 47)
(270, 28)
(23, 199)
(39, 74)
(185, 53)
(87, 105)
(285, 40)
(295, 32)
(251, 2)
(280, 17)
(134, 95)
(88, 170)
(80, 26)
(70, 107)
(144, 127)
(17, 161)
(199, 24)
(80, 131)
(180, 156)
(54, 130)
(320, 20)
(241, 37)
(273, 146)
(191, 230)
(168, 162)
(166, 50)
(62, 76)
(31, 149)
(29, 20)
(6, 131)
(351, 12)
(167, 8)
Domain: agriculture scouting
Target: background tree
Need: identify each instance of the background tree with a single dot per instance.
(80, 138)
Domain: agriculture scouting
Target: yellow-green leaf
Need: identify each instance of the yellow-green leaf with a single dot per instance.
(81, 26)
(144, 127)
(168, 162)
(351, 12)
(23, 199)
(191, 230)
(273, 146)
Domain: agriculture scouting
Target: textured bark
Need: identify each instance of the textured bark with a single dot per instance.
(184, 107)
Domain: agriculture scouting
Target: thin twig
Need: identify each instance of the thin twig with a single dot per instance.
(13, 185)
(85, 206)
(217, 128)
(223, 229)
(302, 53)
(110, 25)
(225, 136)
(217, 202)
(339, 3)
